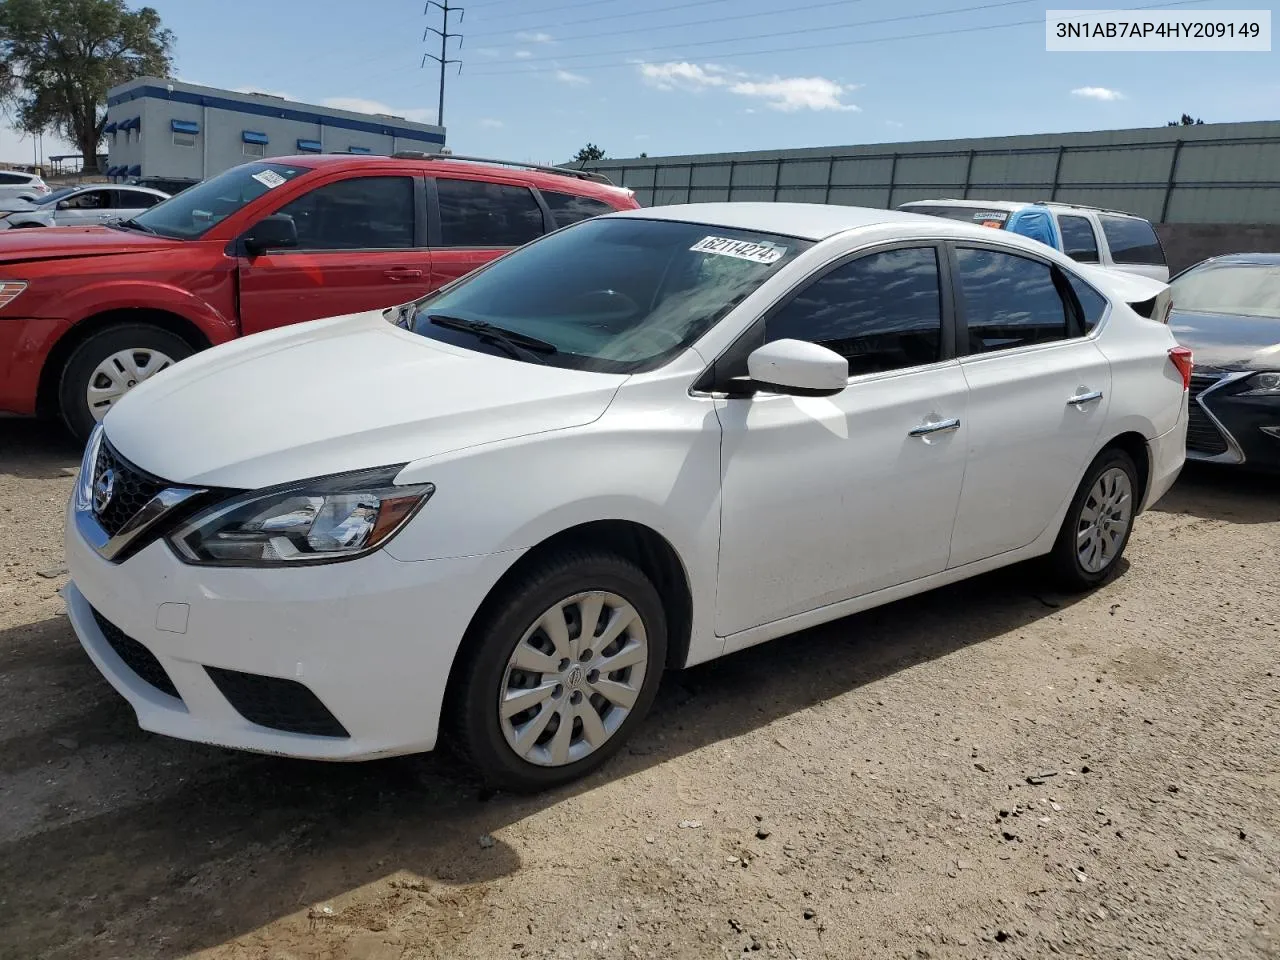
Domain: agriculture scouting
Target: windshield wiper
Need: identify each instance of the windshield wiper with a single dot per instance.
(517, 345)
(131, 224)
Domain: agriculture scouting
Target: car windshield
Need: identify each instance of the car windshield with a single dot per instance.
(982, 216)
(54, 197)
(615, 295)
(194, 211)
(1242, 289)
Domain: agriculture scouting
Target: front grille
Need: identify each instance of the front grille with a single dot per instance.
(1200, 382)
(1202, 435)
(276, 703)
(135, 656)
(131, 490)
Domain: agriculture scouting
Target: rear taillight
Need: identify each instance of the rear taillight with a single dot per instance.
(1182, 360)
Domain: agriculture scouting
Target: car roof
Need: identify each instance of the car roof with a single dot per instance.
(807, 221)
(1261, 259)
(973, 204)
(444, 166)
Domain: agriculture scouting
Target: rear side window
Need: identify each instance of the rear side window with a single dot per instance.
(9, 178)
(880, 312)
(135, 200)
(474, 213)
(1078, 241)
(1131, 240)
(1009, 301)
(567, 208)
(1092, 304)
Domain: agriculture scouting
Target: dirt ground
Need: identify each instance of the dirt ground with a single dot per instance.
(985, 771)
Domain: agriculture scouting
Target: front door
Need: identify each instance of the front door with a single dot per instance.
(1038, 395)
(825, 499)
(357, 250)
(83, 209)
(475, 221)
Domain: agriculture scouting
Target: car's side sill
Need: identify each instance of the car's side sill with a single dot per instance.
(834, 611)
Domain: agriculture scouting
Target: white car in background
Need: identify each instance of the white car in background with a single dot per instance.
(1112, 239)
(16, 185)
(81, 206)
(643, 441)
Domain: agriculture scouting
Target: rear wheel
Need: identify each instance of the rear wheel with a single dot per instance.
(108, 365)
(1098, 522)
(559, 671)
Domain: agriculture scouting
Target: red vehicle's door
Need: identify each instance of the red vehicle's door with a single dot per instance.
(474, 221)
(361, 246)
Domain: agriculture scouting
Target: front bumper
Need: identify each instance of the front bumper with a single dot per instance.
(1231, 429)
(370, 640)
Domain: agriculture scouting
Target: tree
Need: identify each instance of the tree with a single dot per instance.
(588, 153)
(643, 154)
(1187, 121)
(58, 59)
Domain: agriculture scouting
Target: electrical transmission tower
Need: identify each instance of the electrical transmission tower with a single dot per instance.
(445, 36)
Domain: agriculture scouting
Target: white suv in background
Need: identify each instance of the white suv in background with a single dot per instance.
(14, 185)
(1110, 238)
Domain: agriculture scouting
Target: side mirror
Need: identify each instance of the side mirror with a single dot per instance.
(798, 368)
(275, 232)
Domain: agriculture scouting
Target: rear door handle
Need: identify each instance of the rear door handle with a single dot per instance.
(937, 426)
(1089, 397)
(402, 273)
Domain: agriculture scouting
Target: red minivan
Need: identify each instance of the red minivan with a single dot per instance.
(87, 312)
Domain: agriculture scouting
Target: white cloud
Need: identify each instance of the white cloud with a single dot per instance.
(787, 94)
(564, 76)
(537, 37)
(896, 124)
(523, 54)
(364, 105)
(1097, 93)
(491, 123)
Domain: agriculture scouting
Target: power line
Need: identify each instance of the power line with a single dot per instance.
(647, 11)
(527, 13)
(687, 23)
(788, 33)
(853, 43)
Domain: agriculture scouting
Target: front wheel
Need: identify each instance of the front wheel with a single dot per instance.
(108, 365)
(1098, 522)
(559, 670)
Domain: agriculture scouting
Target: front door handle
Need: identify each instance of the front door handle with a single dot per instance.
(403, 273)
(937, 426)
(1089, 397)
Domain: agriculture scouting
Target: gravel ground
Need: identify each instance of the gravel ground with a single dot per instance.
(985, 771)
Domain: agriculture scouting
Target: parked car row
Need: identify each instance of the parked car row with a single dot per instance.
(79, 206)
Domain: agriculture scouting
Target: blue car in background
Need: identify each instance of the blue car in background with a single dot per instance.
(1109, 238)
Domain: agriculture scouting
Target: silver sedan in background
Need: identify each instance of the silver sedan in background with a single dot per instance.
(80, 206)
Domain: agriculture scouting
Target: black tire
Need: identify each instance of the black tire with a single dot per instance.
(471, 718)
(1064, 561)
(73, 385)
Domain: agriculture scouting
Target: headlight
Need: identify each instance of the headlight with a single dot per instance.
(312, 521)
(1262, 385)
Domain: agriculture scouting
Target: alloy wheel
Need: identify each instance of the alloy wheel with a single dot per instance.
(1104, 520)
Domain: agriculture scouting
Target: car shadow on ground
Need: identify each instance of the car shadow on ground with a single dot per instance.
(1229, 494)
(220, 843)
(36, 449)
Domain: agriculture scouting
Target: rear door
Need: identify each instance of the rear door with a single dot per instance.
(1039, 390)
(360, 247)
(1132, 246)
(472, 221)
(127, 203)
(1079, 239)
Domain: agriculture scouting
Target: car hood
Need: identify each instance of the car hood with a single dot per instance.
(1223, 341)
(14, 203)
(59, 243)
(341, 394)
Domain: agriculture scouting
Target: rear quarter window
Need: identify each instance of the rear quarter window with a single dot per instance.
(569, 208)
(1131, 240)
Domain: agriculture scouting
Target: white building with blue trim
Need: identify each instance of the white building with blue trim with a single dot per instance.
(166, 128)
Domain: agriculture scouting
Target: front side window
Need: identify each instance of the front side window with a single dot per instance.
(89, 200)
(56, 196)
(881, 312)
(196, 210)
(1241, 289)
(363, 213)
(1078, 241)
(1131, 240)
(567, 208)
(474, 213)
(612, 295)
(1009, 301)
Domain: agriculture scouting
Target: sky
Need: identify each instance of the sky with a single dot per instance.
(540, 78)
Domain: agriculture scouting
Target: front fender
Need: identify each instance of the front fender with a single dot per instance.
(100, 297)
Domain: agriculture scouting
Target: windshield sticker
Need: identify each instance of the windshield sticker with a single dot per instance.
(269, 179)
(741, 249)
(987, 215)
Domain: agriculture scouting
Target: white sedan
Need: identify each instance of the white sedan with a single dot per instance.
(495, 516)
